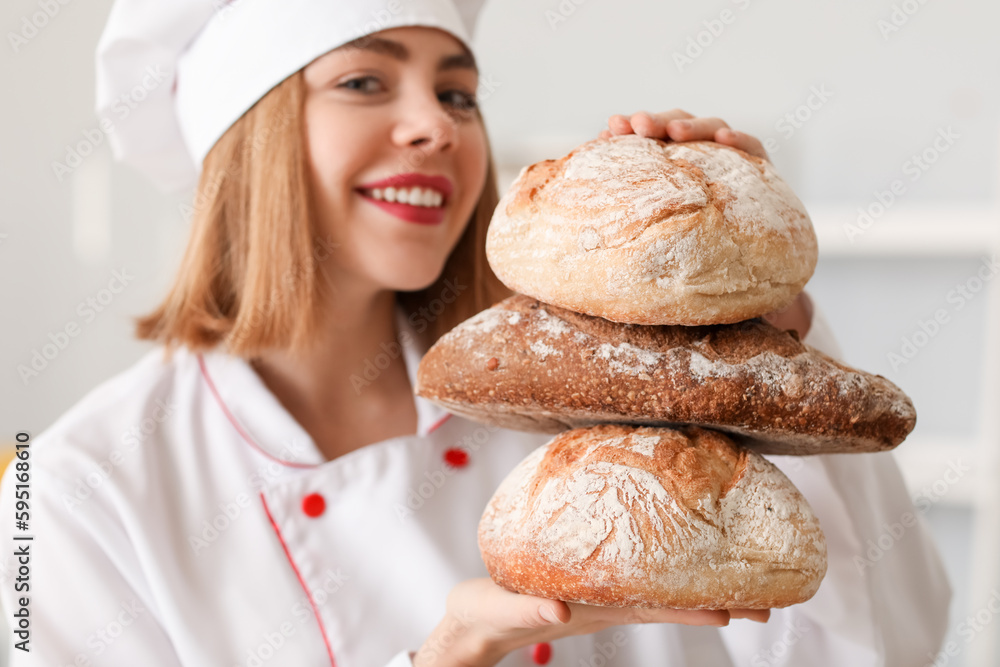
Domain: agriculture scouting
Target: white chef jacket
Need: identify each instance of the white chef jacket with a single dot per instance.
(181, 516)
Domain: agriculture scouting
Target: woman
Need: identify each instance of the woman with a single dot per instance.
(270, 492)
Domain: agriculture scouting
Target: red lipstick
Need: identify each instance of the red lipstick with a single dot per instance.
(439, 186)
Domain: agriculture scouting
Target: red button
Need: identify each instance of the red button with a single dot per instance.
(456, 457)
(313, 505)
(541, 653)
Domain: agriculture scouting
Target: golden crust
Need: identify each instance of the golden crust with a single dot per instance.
(652, 517)
(642, 231)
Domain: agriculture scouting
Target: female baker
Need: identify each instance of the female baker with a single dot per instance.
(271, 492)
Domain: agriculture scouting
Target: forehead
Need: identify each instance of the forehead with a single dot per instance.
(407, 44)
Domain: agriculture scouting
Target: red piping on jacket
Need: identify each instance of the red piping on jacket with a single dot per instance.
(435, 425)
(236, 424)
(267, 511)
(298, 575)
(250, 441)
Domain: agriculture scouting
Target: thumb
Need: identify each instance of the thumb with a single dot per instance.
(553, 612)
(505, 609)
(530, 611)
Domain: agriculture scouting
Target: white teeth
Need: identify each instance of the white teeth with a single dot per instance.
(415, 196)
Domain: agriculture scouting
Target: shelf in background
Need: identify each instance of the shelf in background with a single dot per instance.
(912, 230)
(944, 470)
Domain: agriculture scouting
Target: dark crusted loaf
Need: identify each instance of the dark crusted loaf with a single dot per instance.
(527, 365)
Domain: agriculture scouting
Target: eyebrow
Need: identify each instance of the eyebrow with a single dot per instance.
(396, 50)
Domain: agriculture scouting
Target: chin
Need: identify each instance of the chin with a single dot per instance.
(413, 280)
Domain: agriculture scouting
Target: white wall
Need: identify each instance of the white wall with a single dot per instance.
(554, 86)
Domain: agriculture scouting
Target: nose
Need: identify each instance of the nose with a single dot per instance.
(425, 124)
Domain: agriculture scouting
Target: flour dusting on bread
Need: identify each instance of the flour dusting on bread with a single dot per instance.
(656, 508)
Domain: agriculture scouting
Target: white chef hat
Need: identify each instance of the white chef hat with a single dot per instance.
(174, 75)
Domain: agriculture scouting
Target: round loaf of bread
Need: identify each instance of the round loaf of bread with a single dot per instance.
(527, 365)
(652, 517)
(638, 230)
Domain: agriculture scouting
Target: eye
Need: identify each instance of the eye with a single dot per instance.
(364, 84)
(459, 101)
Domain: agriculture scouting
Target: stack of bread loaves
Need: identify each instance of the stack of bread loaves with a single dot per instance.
(642, 269)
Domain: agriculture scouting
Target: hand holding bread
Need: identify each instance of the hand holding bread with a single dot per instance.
(484, 622)
(679, 125)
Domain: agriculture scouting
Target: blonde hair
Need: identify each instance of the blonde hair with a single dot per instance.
(252, 276)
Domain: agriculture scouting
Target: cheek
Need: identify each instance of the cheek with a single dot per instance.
(337, 148)
(473, 164)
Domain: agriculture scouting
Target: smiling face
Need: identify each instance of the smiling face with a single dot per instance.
(397, 153)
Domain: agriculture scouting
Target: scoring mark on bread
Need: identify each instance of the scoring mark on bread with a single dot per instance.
(600, 495)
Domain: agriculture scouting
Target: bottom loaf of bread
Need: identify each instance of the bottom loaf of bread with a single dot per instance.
(627, 516)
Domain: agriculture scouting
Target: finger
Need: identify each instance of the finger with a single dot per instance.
(482, 601)
(808, 309)
(605, 134)
(619, 124)
(527, 611)
(698, 617)
(587, 614)
(646, 125)
(758, 615)
(743, 141)
(665, 117)
(783, 319)
(655, 125)
(796, 316)
(695, 129)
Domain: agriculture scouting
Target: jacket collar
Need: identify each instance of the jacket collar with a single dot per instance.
(259, 418)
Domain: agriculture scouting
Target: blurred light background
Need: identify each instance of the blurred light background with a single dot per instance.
(882, 115)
